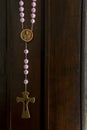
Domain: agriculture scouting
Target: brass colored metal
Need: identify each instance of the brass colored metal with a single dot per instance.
(25, 100)
(26, 35)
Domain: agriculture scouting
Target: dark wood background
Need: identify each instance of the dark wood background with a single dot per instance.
(55, 57)
(64, 47)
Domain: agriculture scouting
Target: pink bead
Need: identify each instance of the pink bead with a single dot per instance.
(26, 51)
(21, 9)
(26, 66)
(25, 81)
(22, 20)
(32, 21)
(33, 4)
(22, 14)
(33, 15)
(26, 61)
(26, 72)
(21, 3)
(33, 10)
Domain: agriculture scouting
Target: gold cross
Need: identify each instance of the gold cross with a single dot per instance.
(25, 100)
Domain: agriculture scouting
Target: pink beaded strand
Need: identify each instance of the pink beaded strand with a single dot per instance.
(32, 21)
(21, 9)
(33, 11)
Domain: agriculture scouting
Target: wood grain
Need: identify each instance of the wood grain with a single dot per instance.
(3, 45)
(64, 42)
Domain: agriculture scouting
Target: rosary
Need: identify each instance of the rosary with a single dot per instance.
(26, 35)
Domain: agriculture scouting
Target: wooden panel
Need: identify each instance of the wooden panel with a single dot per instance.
(63, 26)
(15, 68)
(3, 65)
(55, 50)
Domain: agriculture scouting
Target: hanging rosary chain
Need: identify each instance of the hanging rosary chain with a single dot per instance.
(26, 66)
(26, 36)
(22, 14)
(32, 21)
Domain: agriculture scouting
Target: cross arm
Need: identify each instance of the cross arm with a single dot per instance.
(19, 99)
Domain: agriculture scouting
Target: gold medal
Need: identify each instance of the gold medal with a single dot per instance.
(26, 35)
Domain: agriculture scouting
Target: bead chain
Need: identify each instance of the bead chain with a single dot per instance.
(32, 21)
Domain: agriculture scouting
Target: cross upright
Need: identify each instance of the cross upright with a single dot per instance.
(25, 100)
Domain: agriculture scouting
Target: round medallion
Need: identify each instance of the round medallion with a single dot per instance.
(26, 35)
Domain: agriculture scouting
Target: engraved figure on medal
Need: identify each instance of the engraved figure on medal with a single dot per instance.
(26, 35)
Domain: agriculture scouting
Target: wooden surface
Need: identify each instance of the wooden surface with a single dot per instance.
(54, 66)
(64, 42)
(3, 65)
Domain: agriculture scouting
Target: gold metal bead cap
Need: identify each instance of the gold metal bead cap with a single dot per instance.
(26, 35)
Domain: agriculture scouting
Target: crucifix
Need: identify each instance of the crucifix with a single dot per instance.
(25, 100)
